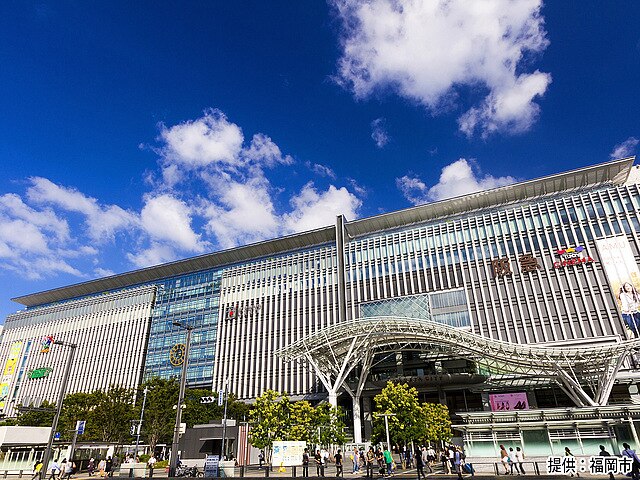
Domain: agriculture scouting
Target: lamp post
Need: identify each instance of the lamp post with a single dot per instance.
(183, 381)
(144, 401)
(386, 425)
(63, 389)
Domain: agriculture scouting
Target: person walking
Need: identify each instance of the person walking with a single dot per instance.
(108, 467)
(151, 463)
(261, 459)
(37, 468)
(635, 465)
(370, 458)
(305, 463)
(603, 453)
(102, 465)
(567, 453)
(458, 459)
(68, 469)
(355, 458)
(338, 459)
(520, 460)
(55, 470)
(388, 459)
(444, 459)
(504, 458)
(426, 462)
(513, 460)
(319, 464)
(91, 466)
(420, 464)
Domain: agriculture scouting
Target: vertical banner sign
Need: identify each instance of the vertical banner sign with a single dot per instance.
(9, 372)
(624, 278)
(45, 346)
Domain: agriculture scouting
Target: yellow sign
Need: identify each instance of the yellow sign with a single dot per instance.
(9, 371)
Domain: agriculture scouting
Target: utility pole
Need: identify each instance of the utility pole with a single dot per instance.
(386, 425)
(144, 401)
(183, 381)
(63, 389)
(224, 420)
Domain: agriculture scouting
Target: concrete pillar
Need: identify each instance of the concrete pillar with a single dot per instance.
(357, 421)
(333, 398)
(368, 417)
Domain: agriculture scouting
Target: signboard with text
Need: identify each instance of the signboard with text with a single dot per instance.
(287, 454)
(506, 402)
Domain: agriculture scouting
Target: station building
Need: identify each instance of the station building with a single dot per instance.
(513, 306)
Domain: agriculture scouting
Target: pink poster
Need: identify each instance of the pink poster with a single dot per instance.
(503, 402)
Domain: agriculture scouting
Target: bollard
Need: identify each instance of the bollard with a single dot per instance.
(495, 468)
(20, 475)
(536, 468)
(266, 472)
(242, 470)
(293, 471)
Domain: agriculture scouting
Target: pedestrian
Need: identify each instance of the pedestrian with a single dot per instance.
(55, 470)
(370, 458)
(520, 460)
(305, 463)
(102, 464)
(382, 468)
(458, 459)
(431, 456)
(91, 466)
(151, 463)
(108, 467)
(513, 460)
(426, 462)
(261, 459)
(355, 458)
(635, 465)
(452, 458)
(68, 469)
(604, 453)
(504, 458)
(338, 459)
(444, 459)
(567, 453)
(37, 468)
(420, 464)
(388, 459)
(319, 464)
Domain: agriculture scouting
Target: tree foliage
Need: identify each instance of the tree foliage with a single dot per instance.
(410, 420)
(36, 418)
(274, 417)
(438, 422)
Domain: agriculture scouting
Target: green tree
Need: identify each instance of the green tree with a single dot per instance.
(159, 414)
(438, 422)
(75, 407)
(303, 422)
(111, 418)
(269, 420)
(407, 421)
(197, 413)
(30, 418)
(330, 425)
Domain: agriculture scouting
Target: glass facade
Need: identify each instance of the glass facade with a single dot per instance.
(192, 300)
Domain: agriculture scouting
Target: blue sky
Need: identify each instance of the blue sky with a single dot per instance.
(135, 133)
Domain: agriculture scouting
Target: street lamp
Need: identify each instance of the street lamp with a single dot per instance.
(386, 425)
(144, 401)
(183, 381)
(63, 389)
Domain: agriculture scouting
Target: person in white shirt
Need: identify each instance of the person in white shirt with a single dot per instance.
(520, 460)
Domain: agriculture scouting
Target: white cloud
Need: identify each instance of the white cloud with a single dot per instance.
(456, 179)
(33, 243)
(427, 51)
(211, 139)
(244, 213)
(379, 132)
(167, 219)
(155, 254)
(313, 209)
(624, 149)
(321, 170)
(103, 222)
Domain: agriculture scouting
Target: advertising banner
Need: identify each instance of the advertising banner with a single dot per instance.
(624, 278)
(287, 454)
(505, 402)
(9, 371)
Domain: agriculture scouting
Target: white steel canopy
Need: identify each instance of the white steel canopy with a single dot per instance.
(586, 373)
